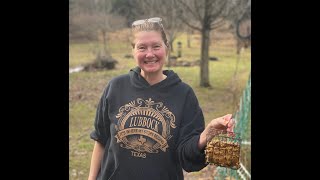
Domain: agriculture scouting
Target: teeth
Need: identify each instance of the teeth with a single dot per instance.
(150, 62)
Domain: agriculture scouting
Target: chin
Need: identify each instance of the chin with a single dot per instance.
(151, 69)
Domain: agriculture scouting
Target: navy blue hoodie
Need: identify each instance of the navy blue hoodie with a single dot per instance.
(150, 132)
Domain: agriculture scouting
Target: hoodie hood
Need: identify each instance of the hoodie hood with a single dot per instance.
(139, 82)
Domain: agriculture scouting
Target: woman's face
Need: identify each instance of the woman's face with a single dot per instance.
(149, 51)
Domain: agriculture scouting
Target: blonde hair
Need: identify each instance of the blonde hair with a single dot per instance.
(150, 26)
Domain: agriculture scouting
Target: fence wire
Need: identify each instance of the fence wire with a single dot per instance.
(243, 127)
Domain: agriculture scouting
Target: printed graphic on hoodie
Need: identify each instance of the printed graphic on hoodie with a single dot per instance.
(144, 127)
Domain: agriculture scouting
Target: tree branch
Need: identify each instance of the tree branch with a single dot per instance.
(191, 26)
(215, 14)
(198, 10)
(217, 25)
(190, 10)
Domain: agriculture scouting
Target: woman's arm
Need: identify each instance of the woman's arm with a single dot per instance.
(96, 158)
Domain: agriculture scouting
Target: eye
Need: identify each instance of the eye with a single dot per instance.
(156, 47)
(141, 48)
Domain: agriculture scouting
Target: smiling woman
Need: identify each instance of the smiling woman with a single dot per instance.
(150, 54)
(150, 48)
(149, 124)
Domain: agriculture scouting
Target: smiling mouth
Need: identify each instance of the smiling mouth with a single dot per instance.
(150, 62)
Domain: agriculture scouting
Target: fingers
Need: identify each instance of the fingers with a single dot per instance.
(228, 122)
(227, 118)
(224, 120)
(223, 123)
(230, 125)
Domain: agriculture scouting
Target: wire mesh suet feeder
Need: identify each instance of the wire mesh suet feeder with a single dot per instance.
(223, 148)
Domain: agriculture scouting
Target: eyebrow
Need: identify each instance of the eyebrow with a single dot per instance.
(152, 43)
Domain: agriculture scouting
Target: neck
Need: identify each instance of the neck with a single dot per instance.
(153, 78)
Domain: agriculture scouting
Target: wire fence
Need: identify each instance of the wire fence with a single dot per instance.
(243, 127)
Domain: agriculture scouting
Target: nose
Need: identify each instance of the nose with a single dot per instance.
(150, 53)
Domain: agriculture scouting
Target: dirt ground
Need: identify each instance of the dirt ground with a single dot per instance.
(206, 173)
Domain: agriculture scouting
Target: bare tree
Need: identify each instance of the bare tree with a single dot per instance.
(78, 9)
(83, 27)
(239, 17)
(203, 16)
(106, 21)
(95, 17)
(130, 9)
(189, 33)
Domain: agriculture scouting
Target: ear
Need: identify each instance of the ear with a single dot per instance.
(167, 53)
(167, 49)
(168, 46)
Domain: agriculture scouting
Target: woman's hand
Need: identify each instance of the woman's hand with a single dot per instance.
(222, 123)
(225, 123)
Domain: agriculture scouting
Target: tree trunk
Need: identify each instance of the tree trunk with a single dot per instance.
(188, 39)
(104, 41)
(204, 64)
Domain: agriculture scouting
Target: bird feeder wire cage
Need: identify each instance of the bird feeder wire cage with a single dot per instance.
(223, 148)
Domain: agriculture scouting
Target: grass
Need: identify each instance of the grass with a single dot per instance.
(85, 88)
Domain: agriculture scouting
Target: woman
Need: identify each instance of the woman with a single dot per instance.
(149, 124)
